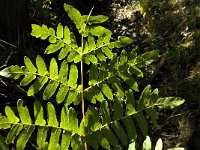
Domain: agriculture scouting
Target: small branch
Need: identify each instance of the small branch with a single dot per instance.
(8, 43)
(8, 58)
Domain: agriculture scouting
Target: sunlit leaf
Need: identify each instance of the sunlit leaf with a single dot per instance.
(147, 144)
(169, 102)
(74, 15)
(59, 31)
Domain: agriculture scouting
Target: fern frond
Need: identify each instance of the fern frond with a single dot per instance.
(38, 77)
(117, 125)
(96, 39)
(119, 118)
(67, 130)
(107, 79)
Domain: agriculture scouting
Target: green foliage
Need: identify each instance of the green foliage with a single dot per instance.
(2, 143)
(111, 85)
(147, 144)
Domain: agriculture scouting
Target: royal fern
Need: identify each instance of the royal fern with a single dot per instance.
(112, 116)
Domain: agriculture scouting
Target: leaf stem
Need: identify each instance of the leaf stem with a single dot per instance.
(82, 97)
(82, 90)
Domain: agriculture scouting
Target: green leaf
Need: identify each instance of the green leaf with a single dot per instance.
(54, 138)
(65, 140)
(116, 85)
(2, 143)
(114, 64)
(98, 94)
(107, 52)
(99, 31)
(42, 69)
(147, 144)
(23, 113)
(89, 95)
(92, 120)
(119, 131)
(87, 59)
(102, 140)
(130, 128)
(118, 113)
(77, 143)
(93, 59)
(13, 72)
(73, 76)
(63, 72)
(36, 30)
(78, 99)
(51, 115)
(85, 46)
(105, 113)
(100, 43)
(72, 55)
(45, 33)
(73, 121)
(81, 130)
(28, 63)
(137, 71)
(91, 42)
(123, 58)
(153, 115)
(62, 92)
(142, 122)
(169, 102)
(96, 19)
(24, 137)
(147, 58)
(27, 79)
(144, 97)
(130, 103)
(67, 35)
(92, 141)
(106, 90)
(94, 93)
(50, 89)
(39, 114)
(123, 41)
(74, 15)
(13, 133)
(10, 114)
(52, 31)
(53, 69)
(93, 75)
(64, 119)
(109, 135)
(37, 85)
(132, 57)
(159, 145)
(59, 31)
(52, 48)
(41, 136)
(129, 80)
(100, 56)
(77, 58)
(71, 97)
(132, 146)
(103, 71)
(4, 122)
(52, 39)
(73, 40)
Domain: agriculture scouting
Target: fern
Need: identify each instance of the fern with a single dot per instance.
(113, 121)
(106, 131)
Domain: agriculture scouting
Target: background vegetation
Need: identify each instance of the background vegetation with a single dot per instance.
(170, 26)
